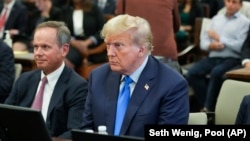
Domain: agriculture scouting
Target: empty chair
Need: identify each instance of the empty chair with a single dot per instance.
(229, 99)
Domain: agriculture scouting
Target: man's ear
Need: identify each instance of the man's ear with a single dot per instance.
(65, 49)
(142, 50)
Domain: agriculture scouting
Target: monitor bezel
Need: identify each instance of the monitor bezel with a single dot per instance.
(22, 123)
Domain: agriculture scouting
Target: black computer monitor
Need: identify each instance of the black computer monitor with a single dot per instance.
(22, 124)
(81, 135)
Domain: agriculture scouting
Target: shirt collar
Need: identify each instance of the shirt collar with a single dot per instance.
(54, 76)
(136, 74)
(10, 5)
(235, 15)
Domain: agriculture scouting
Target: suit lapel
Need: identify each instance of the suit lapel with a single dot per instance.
(11, 16)
(1, 7)
(144, 85)
(31, 93)
(111, 99)
(58, 90)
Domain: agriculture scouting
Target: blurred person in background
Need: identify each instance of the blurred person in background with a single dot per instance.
(223, 41)
(189, 10)
(44, 11)
(107, 6)
(85, 21)
(13, 18)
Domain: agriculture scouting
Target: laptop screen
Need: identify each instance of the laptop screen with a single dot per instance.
(22, 124)
(81, 135)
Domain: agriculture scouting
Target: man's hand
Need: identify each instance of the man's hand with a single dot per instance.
(247, 64)
(216, 46)
(212, 34)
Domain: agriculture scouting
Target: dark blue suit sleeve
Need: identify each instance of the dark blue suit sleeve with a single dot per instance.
(244, 111)
(7, 69)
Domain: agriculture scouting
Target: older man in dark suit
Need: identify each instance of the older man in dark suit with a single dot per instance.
(157, 94)
(63, 95)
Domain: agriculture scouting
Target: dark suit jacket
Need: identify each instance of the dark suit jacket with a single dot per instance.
(109, 6)
(245, 53)
(165, 101)
(7, 70)
(60, 3)
(243, 116)
(17, 19)
(66, 104)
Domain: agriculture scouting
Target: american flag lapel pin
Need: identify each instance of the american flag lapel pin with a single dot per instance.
(146, 87)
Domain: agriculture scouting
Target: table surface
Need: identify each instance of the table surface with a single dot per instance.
(23, 55)
(26, 59)
(242, 74)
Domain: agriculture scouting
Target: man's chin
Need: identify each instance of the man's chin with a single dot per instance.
(115, 68)
(40, 66)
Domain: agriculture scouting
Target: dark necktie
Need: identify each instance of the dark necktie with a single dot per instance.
(123, 100)
(37, 103)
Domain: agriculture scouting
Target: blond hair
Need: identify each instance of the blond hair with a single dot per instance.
(141, 31)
